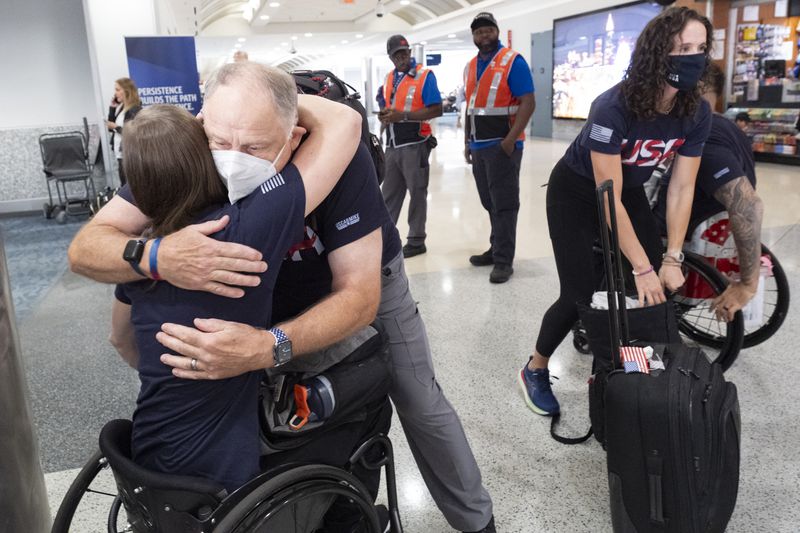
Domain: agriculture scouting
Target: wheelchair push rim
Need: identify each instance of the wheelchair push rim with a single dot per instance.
(776, 303)
(84, 496)
(697, 322)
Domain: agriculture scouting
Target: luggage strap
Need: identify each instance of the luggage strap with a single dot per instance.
(566, 440)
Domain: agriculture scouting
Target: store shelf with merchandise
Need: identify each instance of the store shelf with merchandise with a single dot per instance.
(772, 130)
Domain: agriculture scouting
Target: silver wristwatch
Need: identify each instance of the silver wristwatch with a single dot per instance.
(283, 347)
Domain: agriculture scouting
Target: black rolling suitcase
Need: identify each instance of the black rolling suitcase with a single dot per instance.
(673, 435)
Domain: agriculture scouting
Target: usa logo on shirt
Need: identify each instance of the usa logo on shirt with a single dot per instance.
(648, 152)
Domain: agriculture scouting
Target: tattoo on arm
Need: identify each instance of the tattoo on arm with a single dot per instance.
(745, 211)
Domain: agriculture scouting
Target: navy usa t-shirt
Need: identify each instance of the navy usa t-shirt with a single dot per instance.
(210, 428)
(728, 155)
(613, 129)
(354, 209)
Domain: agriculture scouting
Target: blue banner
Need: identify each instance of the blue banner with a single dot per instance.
(165, 70)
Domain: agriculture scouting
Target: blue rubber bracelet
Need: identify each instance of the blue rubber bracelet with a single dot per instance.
(154, 259)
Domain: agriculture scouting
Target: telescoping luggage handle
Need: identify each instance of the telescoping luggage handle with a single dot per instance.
(609, 237)
(617, 315)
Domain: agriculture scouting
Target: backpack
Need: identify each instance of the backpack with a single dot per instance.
(324, 83)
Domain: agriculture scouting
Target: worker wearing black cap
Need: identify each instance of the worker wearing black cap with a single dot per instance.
(500, 102)
(412, 98)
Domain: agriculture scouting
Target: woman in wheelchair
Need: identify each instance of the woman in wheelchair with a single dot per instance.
(208, 429)
(726, 181)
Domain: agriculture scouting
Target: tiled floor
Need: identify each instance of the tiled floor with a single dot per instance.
(481, 335)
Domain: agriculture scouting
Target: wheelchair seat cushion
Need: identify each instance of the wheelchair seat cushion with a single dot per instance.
(115, 443)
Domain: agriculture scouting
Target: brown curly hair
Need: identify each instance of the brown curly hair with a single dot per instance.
(643, 85)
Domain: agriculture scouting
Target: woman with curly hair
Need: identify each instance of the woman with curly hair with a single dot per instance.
(654, 114)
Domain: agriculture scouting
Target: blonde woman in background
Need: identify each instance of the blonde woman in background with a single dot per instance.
(124, 106)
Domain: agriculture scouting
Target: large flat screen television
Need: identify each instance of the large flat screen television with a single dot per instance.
(591, 53)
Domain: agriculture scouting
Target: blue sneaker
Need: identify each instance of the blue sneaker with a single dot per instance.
(538, 394)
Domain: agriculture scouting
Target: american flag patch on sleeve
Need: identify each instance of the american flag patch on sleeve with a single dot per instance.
(634, 359)
(275, 181)
(600, 133)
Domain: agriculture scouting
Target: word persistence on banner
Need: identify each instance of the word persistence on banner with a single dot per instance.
(167, 95)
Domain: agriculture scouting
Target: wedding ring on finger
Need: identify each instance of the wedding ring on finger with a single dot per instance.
(194, 364)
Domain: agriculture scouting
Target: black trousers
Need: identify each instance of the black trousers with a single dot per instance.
(574, 227)
(497, 179)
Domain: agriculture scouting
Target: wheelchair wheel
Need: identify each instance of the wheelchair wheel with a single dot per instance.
(91, 502)
(776, 303)
(697, 323)
(579, 340)
(277, 504)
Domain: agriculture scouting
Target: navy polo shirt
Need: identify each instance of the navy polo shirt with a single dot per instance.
(613, 129)
(354, 209)
(210, 428)
(728, 155)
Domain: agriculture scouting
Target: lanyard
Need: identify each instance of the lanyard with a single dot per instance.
(398, 77)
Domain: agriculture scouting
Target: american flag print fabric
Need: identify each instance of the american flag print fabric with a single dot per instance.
(634, 359)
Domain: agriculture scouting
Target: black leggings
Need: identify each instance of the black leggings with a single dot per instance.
(574, 227)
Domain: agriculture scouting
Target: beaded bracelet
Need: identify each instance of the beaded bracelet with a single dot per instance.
(643, 272)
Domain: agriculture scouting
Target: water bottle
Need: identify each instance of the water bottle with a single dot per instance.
(314, 401)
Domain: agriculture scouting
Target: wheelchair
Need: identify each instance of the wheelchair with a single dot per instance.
(290, 499)
(710, 256)
(65, 159)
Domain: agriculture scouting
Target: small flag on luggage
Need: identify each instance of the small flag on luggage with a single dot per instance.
(634, 359)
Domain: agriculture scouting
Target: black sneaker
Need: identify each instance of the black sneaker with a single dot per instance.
(410, 250)
(488, 529)
(501, 273)
(483, 259)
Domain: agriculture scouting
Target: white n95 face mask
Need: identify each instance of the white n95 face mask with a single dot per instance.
(243, 173)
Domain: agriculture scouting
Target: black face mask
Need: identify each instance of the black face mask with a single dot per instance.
(684, 72)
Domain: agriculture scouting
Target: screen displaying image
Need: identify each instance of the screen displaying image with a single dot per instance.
(591, 53)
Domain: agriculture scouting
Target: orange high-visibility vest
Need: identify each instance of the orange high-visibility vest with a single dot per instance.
(491, 107)
(407, 98)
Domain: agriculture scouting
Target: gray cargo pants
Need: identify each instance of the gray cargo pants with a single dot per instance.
(407, 169)
(431, 425)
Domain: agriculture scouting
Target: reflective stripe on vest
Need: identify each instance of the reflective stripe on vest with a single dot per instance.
(406, 98)
(490, 96)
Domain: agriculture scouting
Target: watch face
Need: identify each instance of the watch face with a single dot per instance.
(133, 251)
(283, 352)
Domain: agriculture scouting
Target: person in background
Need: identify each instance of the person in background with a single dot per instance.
(742, 119)
(656, 112)
(726, 181)
(500, 102)
(412, 98)
(124, 106)
(239, 56)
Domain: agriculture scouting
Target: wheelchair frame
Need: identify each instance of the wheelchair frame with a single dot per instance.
(248, 508)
